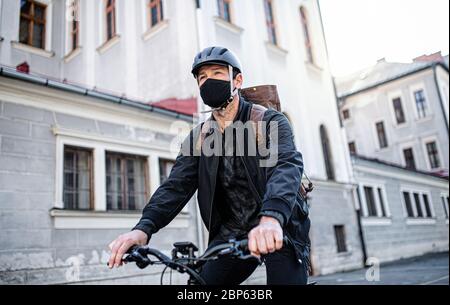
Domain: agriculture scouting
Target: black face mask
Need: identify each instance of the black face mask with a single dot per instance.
(215, 92)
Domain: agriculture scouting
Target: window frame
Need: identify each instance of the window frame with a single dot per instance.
(123, 158)
(429, 139)
(271, 23)
(69, 48)
(160, 12)
(412, 90)
(221, 10)
(348, 117)
(445, 205)
(31, 20)
(340, 236)
(91, 176)
(378, 143)
(379, 206)
(307, 38)
(113, 10)
(354, 150)
(404, 157)
(412, 190)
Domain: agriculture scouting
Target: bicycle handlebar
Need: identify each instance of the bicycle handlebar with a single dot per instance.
(233, 248)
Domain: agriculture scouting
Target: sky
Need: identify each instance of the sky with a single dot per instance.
(359, 32)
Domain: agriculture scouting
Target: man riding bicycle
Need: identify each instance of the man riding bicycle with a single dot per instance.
(239, 197)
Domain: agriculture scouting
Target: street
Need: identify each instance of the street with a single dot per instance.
(430, 269)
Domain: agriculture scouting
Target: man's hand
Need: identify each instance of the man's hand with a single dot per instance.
(267, 237)
(121, 244)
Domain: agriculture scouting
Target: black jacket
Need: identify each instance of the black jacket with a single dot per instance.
(276, 187)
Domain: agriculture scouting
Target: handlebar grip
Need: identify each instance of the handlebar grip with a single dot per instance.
(243, 244)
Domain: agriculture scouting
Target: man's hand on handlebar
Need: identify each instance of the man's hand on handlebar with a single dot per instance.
(266, 238)
(121, 244)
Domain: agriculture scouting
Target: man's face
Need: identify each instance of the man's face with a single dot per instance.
(216, 72)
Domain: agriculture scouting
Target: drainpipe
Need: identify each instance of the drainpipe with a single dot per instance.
(439, 96)
(1, 12)
(360, 227)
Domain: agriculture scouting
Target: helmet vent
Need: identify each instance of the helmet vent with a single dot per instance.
(210, 52)
(223, 51)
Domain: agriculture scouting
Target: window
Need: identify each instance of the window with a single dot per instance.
(370, 201)
(374, 203)
(306, 34)
(421, 105)
(398, 110)
(346, 114)
(428, 212)
(433, 155)
(409, 158)
(418, 204)
(155, 8)
(165, 167)
(270, 22)
(408, 205)
(381, 201)
(339, 232)
(74, 27)
(445, 204)
(32, 23)
(418, 207)
(110, 10)
(381, 133)
(126, 181)
(352, 148)
(224, 9)
(327, 153)
(77, 179)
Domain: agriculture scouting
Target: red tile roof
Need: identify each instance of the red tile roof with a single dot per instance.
(185, 106)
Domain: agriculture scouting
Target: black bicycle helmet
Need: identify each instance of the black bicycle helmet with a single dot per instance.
(216, 55)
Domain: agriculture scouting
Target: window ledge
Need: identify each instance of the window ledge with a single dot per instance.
(72, 54)
(348, 121)
(425, 119)
(345, 254)
(71, 219)
(420, 221)
(228, 26)
(24, 47)
(276, 49)
(108, 44)
(313, 66)
(151, 32)
(376, 221)
(401, 125)
(382, 149)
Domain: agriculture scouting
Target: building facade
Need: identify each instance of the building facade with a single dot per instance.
(396, 119)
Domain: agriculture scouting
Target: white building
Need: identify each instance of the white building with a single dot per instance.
(398, 112)
(396, 120)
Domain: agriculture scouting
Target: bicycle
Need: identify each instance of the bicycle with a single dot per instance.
(184, 260)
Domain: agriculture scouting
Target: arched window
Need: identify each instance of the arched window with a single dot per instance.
(306, 33)
(327, 153)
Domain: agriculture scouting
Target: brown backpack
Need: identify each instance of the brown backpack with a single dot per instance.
(262, 98)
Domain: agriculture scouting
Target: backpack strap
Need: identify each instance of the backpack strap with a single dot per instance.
(256, 117)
